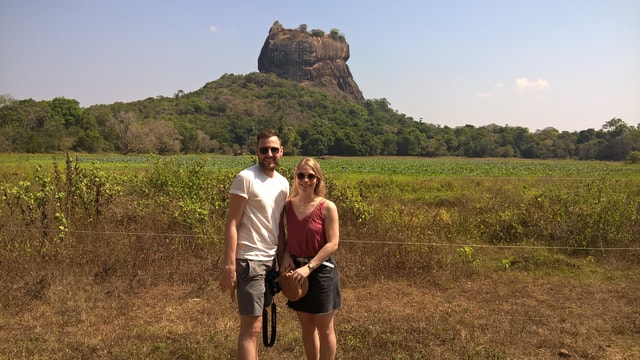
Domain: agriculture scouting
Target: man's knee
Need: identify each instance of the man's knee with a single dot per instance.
(251, 326)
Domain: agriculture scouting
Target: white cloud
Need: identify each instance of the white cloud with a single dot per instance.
(213, 28)
(525, 84)
(486, 94)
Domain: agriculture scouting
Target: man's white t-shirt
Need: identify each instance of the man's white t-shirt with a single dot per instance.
(260, 224)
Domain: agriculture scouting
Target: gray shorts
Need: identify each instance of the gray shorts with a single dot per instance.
(252, 296)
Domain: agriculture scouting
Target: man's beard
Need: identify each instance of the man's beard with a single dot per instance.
(268, 164)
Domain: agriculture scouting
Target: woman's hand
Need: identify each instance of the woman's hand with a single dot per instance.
(300, 274)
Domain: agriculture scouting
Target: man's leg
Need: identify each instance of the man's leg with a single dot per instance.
(251, 296)
(250, 330)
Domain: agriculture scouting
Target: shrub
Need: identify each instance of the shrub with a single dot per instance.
(633, 158)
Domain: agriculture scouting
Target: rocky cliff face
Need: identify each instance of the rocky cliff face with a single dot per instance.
(312, 58)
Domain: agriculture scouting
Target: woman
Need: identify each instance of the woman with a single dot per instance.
(313, 236)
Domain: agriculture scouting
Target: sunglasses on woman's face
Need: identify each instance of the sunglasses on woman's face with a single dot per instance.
(265, 150)
(301, 176)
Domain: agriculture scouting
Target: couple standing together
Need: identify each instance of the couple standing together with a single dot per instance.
(255, 237)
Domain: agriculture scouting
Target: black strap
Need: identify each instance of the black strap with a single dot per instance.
(265, 329)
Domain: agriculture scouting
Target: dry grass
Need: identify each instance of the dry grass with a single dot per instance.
(502, 316)
(82, 304)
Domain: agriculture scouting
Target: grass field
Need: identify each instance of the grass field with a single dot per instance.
(111, 257)
(455, 167)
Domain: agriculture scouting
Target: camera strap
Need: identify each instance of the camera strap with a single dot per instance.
(268, 342)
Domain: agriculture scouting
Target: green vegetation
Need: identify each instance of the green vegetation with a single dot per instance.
(118, 257)
(335, 34)
(572, 204)
(224, 115)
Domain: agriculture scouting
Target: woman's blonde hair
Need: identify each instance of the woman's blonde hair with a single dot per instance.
(321, 188)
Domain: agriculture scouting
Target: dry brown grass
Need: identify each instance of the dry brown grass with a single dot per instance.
(161, 302)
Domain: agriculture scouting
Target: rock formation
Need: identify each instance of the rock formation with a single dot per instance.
(313, 59)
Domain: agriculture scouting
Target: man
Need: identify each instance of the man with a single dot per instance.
(254, 236)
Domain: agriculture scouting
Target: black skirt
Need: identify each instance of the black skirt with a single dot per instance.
(323, 296)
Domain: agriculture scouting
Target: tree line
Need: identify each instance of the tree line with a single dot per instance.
(224, 115)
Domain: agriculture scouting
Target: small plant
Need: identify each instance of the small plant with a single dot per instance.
(335, 34)
(466, 254)
(61, 220)
(506, 264)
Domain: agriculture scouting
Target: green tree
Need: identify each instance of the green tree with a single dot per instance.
(616, 127)
(410, 142)
(316, 145)
(349, 144)
(290, 140)
(90, 141)
(389, 144)
(68, 110)
(318, 139)
(617, 143)
(589, 150)
(565, 145)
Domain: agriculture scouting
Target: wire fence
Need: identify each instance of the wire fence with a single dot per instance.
(155, 273)
(342, 240)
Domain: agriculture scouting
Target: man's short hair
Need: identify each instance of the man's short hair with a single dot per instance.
(267, 133)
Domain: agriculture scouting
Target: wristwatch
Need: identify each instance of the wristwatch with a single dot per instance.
(311, 266)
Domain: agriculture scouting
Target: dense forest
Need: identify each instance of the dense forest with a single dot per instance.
(225, 115)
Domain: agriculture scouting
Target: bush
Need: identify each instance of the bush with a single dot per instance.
(633, 158)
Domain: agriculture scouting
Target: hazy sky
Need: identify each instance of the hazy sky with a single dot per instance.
(568, 64)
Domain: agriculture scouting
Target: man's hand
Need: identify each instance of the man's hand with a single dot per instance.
(228, 282)
(287, 264)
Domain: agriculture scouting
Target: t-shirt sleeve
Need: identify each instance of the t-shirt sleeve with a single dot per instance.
(240, 185)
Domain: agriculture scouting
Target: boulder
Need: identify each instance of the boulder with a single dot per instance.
(313, 59)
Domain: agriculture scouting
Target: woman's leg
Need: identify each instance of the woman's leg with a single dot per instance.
(310, 338)
(326, 336)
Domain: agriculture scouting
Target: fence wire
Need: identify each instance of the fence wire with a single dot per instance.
(175, 274)
(342, 240)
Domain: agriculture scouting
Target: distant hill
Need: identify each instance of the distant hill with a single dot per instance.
(231, 110)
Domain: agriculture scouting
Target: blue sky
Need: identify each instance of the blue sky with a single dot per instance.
(567, 64)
